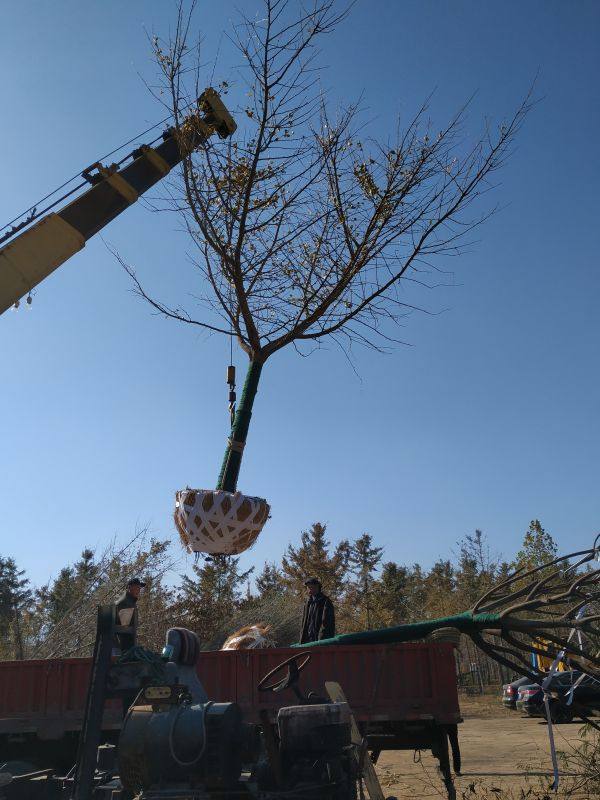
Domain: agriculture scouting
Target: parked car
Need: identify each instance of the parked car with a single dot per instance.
(511, 690)
(530, 698)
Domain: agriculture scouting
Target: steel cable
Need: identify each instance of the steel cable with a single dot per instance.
(32, 209)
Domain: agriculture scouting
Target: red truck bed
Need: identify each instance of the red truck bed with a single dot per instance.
(47, 697)
(407, 683)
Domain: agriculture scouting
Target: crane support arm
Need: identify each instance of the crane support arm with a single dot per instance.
(33, 255)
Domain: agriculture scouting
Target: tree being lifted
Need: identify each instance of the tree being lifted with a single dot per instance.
(550, 610)
(308, 229)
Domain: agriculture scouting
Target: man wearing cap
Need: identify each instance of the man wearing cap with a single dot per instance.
(318, 617)
(127, 614)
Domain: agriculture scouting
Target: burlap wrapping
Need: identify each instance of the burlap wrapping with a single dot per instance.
(251, 637)
(218, 522)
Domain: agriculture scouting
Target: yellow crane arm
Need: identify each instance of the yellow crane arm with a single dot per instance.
(36, 252)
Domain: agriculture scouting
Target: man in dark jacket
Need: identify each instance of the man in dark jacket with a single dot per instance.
(127, 614)
(318, 617)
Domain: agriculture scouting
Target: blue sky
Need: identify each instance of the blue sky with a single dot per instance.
(488, 419)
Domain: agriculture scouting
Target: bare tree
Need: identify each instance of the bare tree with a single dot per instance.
(71, 630)
(306, 227)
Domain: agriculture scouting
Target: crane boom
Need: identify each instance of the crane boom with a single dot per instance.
(34, 254)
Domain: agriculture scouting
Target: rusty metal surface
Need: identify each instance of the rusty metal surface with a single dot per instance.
(397, 683)
(47, 697)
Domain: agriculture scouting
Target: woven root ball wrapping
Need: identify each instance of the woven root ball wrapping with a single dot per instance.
(218, 522)
(251, 637)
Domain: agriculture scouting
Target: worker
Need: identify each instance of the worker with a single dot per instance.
(127, 614)
(318, 617)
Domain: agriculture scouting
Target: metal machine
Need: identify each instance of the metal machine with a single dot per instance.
(176, 744)
(402, 697)
(171, 747)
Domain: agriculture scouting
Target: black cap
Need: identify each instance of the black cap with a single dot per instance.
(136, 582)
(312, 582)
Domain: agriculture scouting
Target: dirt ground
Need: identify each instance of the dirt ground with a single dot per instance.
(501, 750)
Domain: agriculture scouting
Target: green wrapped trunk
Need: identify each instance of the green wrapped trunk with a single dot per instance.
(232, 460)
(467, 622)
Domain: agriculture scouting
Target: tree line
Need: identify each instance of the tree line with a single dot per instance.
(58, 618)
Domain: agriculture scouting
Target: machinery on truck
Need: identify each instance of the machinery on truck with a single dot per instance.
(224, 724)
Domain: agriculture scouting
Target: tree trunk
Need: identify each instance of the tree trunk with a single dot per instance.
(232, 460)
(18, 636)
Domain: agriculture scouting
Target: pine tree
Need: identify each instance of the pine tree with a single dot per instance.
(270, 580)
(15, 598)
(417, 592)
(58, 601)
(538, 547)
(60, 596)
(363, 560)
(440, 585)
(85, 569)
(313, 559)
(209, 600)
(392, 594)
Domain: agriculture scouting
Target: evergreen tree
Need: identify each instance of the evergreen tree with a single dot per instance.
(270, 580)
(85, 569)
(416, 592)
(58, 600)
(440, 585)
(15, 598)
(538, 547)
(59, 596)
(313, 559)
(392, 594)
(209, 600)
(363, 560)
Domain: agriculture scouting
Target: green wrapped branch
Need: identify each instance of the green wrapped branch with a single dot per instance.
(532, 611)
(466, 622)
